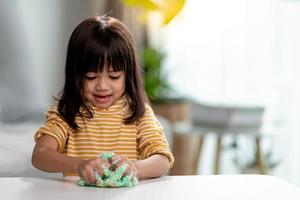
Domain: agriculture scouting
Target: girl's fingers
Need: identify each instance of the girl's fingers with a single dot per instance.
(132, 171)
(83, 176)
(88, 176)
(87, 169)
(101, 165)
(99, 170)
(130, 166)
(115, 160)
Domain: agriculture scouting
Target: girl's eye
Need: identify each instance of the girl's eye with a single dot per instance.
(114, 77)
(90, 77)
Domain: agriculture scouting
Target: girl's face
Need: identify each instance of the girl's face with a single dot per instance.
(103, 89)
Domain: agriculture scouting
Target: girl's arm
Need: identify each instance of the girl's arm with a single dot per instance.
(153, 166)
(152, 141)
(46, 157)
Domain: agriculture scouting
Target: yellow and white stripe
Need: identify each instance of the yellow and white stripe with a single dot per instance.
(106, 132)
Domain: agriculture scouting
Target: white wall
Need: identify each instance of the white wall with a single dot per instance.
(34, 36)
(222, 42)
(14, 62)
(287, 84)
(243, 52)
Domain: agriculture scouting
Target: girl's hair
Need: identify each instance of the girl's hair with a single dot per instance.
(96, 43)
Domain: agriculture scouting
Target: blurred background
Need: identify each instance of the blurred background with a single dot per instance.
(221, 75)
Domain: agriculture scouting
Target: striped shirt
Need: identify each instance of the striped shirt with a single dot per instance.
(106, 132)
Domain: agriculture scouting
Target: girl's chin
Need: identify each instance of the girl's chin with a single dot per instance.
(102, 105)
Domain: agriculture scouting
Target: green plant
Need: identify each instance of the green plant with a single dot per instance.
(156, 81)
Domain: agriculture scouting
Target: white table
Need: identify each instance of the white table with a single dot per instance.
(212, 187)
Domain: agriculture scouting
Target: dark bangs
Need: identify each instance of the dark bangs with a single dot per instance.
(106, 49)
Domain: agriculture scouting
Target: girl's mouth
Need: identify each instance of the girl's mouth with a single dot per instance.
(102, 98)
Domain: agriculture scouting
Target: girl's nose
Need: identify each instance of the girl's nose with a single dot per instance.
(101, 84)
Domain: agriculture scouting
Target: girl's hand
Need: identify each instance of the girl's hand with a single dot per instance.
(118, 161)
(86, 169)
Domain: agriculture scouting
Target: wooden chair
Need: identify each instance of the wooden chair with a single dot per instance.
(222, 119)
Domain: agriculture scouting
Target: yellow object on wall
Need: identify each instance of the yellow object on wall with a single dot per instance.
(168, 9)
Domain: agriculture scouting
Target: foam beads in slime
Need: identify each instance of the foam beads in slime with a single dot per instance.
(112, 177)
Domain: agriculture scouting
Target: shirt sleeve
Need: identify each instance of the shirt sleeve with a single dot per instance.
(55, 127)
(151, 137)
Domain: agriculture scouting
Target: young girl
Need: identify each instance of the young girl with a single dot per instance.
(101, 109)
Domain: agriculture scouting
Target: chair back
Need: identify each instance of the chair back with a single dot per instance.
(227, 118)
